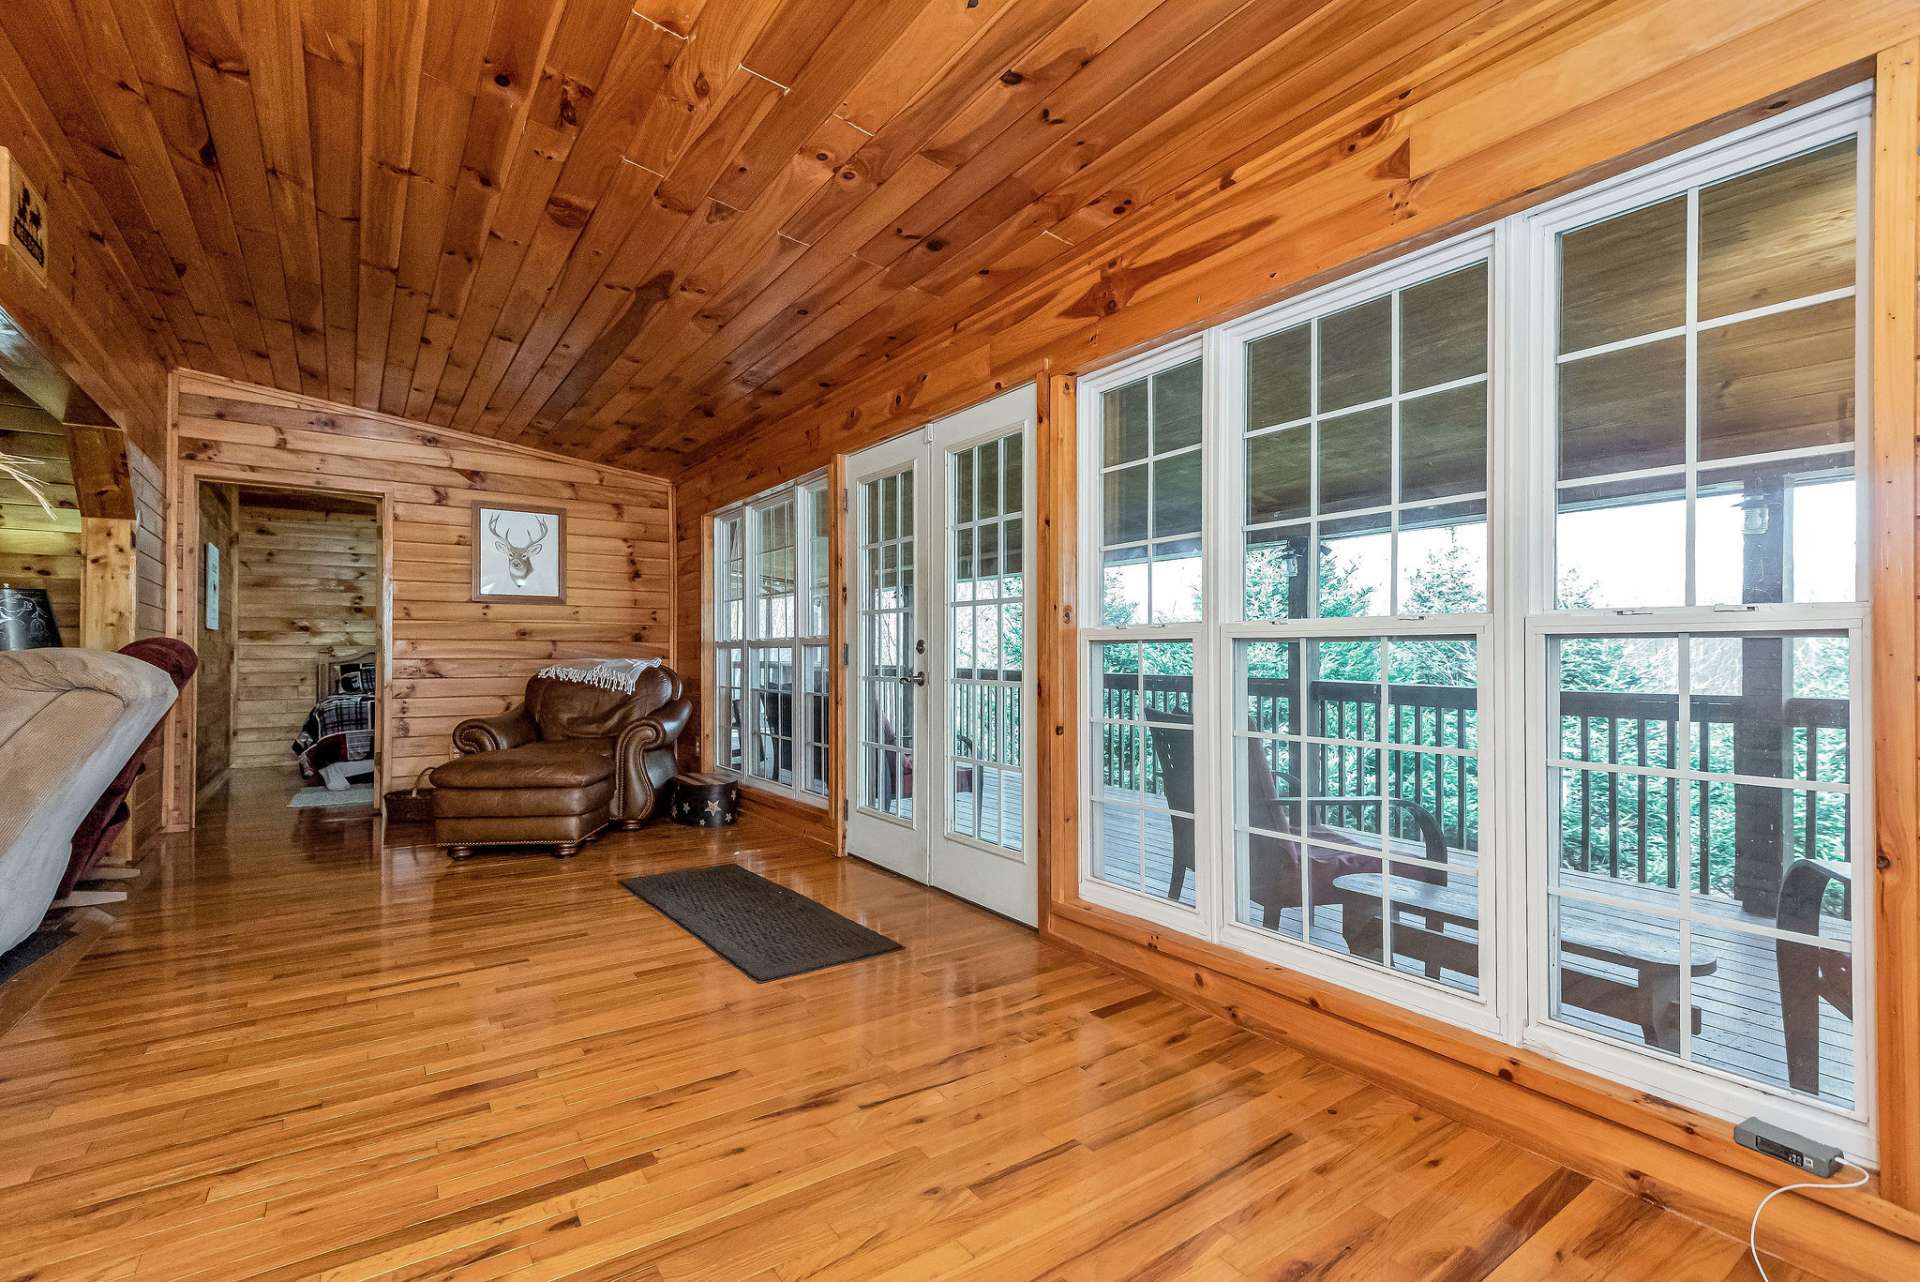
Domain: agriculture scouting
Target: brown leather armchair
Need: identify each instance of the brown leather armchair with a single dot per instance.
(567, 762)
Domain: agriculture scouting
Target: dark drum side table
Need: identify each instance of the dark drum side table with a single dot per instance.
(705, 801)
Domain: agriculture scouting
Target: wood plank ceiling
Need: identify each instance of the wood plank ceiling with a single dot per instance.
(626, 231)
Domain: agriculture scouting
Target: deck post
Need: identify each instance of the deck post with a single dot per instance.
(1759, 727)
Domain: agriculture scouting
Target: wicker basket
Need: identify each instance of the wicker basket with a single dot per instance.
(413, 805)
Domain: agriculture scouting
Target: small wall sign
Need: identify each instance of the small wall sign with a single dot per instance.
(24, 229)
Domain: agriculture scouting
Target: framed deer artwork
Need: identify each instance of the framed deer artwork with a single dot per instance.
(519, 554)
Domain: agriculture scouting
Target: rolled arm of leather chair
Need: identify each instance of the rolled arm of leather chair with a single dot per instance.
(663, 726)
(496, 733)
(644, 762)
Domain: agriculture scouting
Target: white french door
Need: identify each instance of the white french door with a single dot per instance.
(940, 694)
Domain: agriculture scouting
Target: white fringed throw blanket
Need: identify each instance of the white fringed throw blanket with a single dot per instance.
(620, 675)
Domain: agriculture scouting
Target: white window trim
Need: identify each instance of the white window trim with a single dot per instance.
(1198, 920)
(1512, 1005)
(751, 642)
(1222, 624)
(1530, 291)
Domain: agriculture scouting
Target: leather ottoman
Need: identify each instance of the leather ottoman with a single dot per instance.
(557, 793)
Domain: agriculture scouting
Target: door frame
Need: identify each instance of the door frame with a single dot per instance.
(906, 452)
(185, 572)
(932, 534)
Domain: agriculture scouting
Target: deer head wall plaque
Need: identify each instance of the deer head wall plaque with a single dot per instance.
(519, 554)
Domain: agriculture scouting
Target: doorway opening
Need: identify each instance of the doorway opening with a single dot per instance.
(940, 693)
(289, 631)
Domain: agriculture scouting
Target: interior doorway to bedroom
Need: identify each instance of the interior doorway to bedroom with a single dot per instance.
(288, 630)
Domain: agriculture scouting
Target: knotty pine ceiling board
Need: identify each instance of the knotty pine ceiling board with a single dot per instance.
(631, 230)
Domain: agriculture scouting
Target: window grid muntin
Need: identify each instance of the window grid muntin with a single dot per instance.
(1696, 1082)
(1688, 472)
(750, 739)
(1690, 833)
(1463, 861)
(1150, 464)
(881, 762)
(1415, 270)
(1145, 763)
(996, 754)
(730, 621)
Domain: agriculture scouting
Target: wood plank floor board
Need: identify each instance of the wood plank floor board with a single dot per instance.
(299, 1056)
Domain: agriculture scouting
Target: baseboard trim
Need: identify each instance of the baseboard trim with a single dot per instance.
(812, 822)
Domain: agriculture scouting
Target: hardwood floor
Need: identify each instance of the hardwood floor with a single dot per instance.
(297, 1057)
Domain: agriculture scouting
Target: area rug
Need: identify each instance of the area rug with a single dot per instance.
(30, 950)
(359, 794)
(763, 928)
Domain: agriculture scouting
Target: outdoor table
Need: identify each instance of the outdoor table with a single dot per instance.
(1651, 998)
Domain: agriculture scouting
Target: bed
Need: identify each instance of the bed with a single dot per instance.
(335, 744)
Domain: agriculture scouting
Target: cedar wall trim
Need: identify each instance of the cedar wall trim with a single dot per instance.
(446, 657)
(1611, 88)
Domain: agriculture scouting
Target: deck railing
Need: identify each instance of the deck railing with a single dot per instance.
(1623, 826)
(1633, 826)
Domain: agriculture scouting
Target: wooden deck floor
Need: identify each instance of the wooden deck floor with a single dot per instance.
(301, 1057)
(1741, 1028)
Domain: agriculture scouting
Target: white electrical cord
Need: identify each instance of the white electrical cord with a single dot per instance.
(1753, 1234)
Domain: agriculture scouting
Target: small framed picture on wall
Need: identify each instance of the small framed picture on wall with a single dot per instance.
(212, 593)
(519, 554)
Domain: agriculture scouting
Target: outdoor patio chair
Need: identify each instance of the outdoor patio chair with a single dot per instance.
(1809, 972)
(1273, 874)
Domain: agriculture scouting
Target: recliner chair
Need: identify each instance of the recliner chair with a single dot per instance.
(69, 721)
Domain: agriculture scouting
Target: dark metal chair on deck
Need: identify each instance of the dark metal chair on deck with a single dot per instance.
(776, 732)
(1809, 972)
(1273, 874)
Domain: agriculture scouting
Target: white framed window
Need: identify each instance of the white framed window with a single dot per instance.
(1697, 352)
(1494, 639)
(1355, 624)
(1146, 669)
(772, 707)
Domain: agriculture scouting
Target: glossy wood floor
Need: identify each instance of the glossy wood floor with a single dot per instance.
(298, 1057)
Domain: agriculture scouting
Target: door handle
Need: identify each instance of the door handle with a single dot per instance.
(917, 679)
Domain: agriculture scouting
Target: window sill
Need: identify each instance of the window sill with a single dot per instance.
(770, 789)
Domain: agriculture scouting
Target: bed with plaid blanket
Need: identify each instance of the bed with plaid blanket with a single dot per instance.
(340, 728)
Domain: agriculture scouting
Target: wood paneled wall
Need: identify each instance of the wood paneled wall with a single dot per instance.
(1618, 85)
(150, 620)
(1892, 454)
(96, 316)
(37, 550)
(307, 580)
(450, 657)
(150, 538)
(219, 525)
